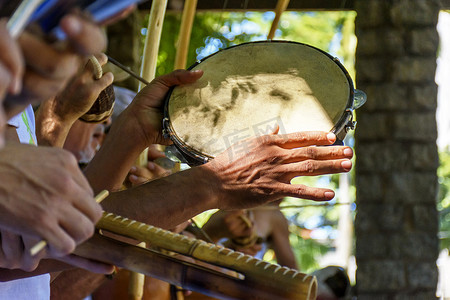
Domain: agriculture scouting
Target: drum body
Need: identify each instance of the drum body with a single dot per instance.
(250, 89)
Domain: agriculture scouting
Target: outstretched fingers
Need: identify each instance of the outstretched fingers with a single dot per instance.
(316, 153)
(306, 192)
(300, 139)
(316, 167)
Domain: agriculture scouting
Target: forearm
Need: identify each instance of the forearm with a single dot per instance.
(281, 245)
(51, 130)
(111, 164)
(168, 201)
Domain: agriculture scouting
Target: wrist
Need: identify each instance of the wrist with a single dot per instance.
(127, 128)
(51, 129)
(213, 185)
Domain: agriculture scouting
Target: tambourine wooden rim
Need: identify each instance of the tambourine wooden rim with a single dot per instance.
(195, 157)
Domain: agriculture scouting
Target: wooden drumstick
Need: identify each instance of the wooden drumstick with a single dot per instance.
(280, 8)
(126, 69)
(42, 244)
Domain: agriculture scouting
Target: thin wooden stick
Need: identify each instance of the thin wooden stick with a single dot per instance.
(151, 47)
(150, 55)
(280, 8)
(187, 20)
(126, 69)
(148, 72)
(42, 244)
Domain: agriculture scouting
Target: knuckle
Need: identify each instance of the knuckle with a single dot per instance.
(98, 213)
(300, 189)
(50, 69)
(88, 231)
(42, 217)
(300, 136)
(66, 247)
(311, 152)
(66, 184)
(69, 158)
(31, 265)
(309, 166)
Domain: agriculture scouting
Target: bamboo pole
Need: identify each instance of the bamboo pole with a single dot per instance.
(280, 8)
(148, 72)
(260, 280)
(187, 20)
(151, 47)
(150, 55)
(137, 281)
(284, 282)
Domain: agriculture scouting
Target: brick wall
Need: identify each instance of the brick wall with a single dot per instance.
(397, 222)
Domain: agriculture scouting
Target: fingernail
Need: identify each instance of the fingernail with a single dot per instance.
(346, 164)
(348, 152)
(196, 71)
(133, 177)
(331, 137)
(74, 25)
(133, 169)
(329, 195)
(151, 166)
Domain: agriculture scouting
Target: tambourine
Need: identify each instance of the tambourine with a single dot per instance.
(249, 89)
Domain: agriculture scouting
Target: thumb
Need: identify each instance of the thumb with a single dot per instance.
(158, 88)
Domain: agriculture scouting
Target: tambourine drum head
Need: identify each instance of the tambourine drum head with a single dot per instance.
(246, 90)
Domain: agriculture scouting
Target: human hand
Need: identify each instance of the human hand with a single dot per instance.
(145, 113)
(11, 71)
(15, 252)
(259, 170)
(139, 175)
(44, 195)
(239, 223)
(49, 67)
(80, 93)
(250, 250)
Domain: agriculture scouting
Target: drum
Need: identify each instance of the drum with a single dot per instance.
(250, 89)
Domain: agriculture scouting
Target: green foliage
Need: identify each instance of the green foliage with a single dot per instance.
(443, 205)
(221, 30)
